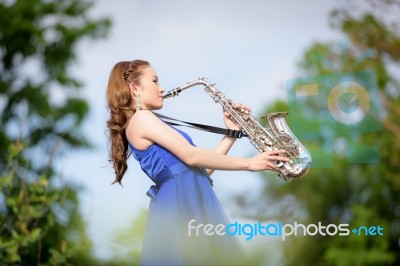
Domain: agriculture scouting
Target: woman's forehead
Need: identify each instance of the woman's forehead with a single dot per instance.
(149, 71)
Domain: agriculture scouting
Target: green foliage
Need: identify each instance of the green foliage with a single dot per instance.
(41, 114)
(39, 223)
(360, 194)
(37, 42)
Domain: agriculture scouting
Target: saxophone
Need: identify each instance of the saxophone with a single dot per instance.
(277, 136)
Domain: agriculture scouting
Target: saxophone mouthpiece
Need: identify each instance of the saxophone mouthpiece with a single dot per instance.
(172, 93)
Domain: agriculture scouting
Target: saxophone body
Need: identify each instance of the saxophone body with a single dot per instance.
(276, 136)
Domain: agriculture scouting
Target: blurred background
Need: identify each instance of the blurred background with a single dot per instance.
(57, 204)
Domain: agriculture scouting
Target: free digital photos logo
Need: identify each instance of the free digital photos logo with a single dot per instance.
(279, 229)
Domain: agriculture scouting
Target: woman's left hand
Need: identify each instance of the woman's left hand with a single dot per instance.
(227, 117)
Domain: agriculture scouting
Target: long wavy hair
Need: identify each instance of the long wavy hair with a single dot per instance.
(120, 104)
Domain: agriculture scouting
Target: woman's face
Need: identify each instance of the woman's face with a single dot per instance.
(151, 93)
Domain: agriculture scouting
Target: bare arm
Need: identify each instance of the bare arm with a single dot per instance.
(227, 142)
(222, 148)
(145, 127)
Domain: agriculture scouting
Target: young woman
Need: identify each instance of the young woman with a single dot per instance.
(184, 211)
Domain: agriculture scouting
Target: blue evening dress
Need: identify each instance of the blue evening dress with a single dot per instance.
(182, 193)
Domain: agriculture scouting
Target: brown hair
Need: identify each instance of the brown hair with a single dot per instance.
(121, 106)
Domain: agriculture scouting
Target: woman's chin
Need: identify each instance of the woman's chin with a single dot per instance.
(158, 107)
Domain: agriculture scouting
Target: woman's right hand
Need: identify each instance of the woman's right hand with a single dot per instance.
(266, 160)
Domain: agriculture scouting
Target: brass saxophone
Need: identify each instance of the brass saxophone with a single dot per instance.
(277, 136)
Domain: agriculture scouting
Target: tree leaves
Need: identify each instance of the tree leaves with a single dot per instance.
(39, 217)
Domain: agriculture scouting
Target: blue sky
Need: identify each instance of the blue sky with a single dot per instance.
(248, 48)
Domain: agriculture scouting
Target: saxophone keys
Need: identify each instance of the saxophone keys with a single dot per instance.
(268, 142)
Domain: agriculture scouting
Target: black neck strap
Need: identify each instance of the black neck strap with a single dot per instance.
(224, 131)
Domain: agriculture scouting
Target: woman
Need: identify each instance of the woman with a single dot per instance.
(183, 191)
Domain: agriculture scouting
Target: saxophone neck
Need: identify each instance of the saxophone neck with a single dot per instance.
(175, 92)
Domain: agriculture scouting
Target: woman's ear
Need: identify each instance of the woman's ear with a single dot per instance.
(133, 89)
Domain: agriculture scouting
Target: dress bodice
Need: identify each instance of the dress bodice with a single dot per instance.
(157, 162)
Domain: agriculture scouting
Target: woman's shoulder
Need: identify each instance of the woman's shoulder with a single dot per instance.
(142, 117)
(143, 114)
(139, 126)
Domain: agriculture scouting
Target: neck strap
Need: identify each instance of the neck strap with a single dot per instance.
(224, 131)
